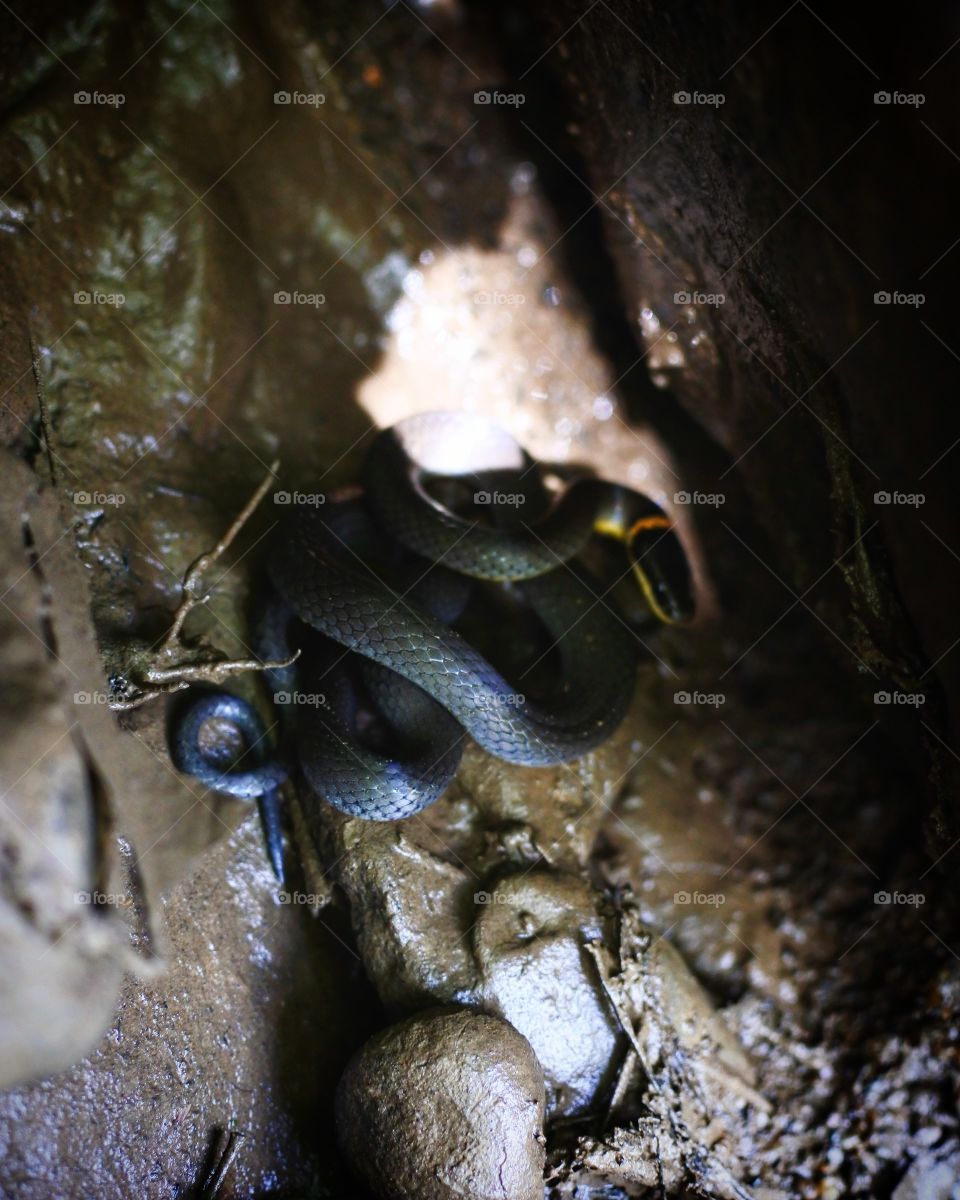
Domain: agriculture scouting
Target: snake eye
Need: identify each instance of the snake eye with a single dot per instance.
(661, 568)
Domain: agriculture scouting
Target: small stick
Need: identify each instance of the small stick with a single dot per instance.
(205, 561)
(213, 1183)
(164, 680)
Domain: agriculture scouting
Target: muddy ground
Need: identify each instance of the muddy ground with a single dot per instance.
(200, 278)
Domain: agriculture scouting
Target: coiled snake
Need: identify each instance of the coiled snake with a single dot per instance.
(384, 577)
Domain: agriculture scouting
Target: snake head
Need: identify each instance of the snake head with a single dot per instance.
(661, 567)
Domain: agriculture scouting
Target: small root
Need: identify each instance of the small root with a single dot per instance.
(170, 668)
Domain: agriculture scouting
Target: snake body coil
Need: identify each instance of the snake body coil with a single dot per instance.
(364, 574)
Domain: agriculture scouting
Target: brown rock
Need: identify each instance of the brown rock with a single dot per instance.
(423, 1104)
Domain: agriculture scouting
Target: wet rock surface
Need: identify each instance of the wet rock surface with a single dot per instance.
(247, 1030)
(482, 900)
(529, 943)
(750, 252)
(766, 1025)
(448, 1103)
(63, 958)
